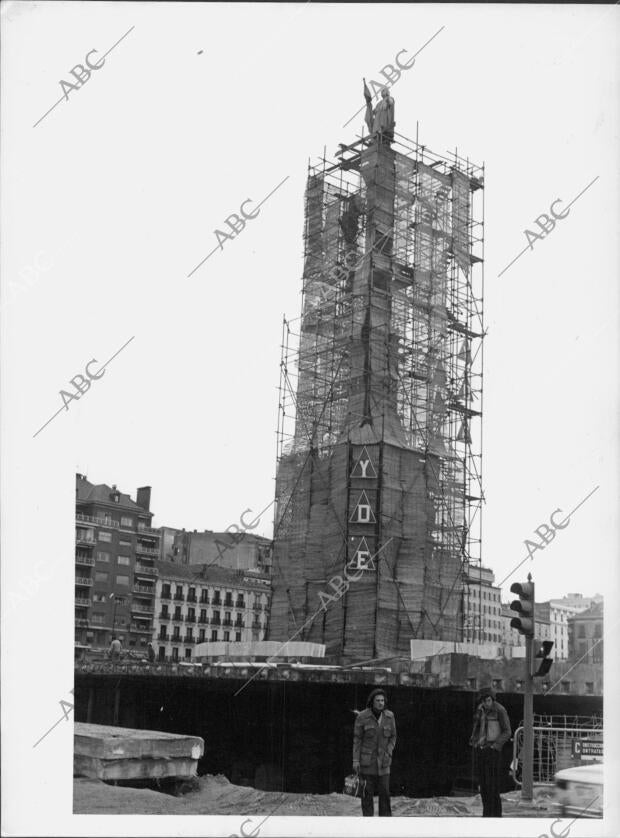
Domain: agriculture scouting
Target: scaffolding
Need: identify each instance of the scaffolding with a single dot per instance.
(414, 220)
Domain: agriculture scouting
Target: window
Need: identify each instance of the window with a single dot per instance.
(176, 632)
(582, 650)
(163, 633)
(97, 618)
(162, 653)
(124, 543)
(598, 630)
(177, 613)
(589, 687)
(565, 686)
(213, 634)
(581, 631)
(175, 654)
(237, 636)
(201, 635)
(597, 652)
(103, 557)
(188, 653)
(122, 580)
(123, 560)
(203, 615)
(126, 522)
(104, 536)
(227, 636)
(99, 598)
(471, 683)
(120, 600)
(100, 576)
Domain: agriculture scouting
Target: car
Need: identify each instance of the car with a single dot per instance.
(579, 791)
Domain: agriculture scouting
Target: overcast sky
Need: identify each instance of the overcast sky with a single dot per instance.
(112, 199)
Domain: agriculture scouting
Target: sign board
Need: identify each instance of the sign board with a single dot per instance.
(588, 749)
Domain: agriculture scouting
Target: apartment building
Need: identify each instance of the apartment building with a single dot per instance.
(482, 607)
(115, 550)
(198, 604)
(585, 635)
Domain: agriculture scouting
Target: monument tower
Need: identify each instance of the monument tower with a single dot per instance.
(378, 479)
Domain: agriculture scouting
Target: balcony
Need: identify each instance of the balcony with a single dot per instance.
(228, 603)
(100, 522)
(162, 638)
(142, 609)
(145, 570)
(217, 603)
(164, 615)
(82, 602)
(147, 551)
(143, 589)
(84, 581)
(239, 625)
(179, 598)
(226, 622)
(151, 530)
(84, 559)
(204, 621)
(187, 639)
(191, 598)
(204, 600)
(215, 622)
(81, 623)
(82, 538)
(138, 629)
(257, 625)
(165, 595)
(240, 604)
(189, 619)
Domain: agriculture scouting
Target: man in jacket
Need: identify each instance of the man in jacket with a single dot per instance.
(374, 738)
(491, 731)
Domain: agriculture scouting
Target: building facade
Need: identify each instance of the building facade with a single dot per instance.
(209, 604)
(115, 549)
(585, 635)
(483, 605)
(234, 550)
(558, 613)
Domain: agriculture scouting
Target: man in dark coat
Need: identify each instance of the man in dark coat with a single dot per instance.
(490, 733)
(374, 738)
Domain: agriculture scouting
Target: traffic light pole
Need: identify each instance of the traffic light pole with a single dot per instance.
(527, 786)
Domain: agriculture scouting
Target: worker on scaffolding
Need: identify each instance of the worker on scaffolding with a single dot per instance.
(490, 733)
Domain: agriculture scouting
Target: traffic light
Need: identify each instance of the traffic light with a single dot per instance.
(541, 662)
(524, 606)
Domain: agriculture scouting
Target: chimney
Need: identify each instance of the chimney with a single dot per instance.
(143, 497)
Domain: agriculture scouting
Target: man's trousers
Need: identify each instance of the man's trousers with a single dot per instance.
(489, 762)
(376, 784)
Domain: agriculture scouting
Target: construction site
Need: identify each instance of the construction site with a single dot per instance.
(379, 434)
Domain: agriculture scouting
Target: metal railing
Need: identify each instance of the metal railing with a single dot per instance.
(100, 522)
(85, 581)
(554, 745)
(87, 560)
(144, 568)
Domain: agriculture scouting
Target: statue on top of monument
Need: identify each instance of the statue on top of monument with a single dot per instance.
(380, 122)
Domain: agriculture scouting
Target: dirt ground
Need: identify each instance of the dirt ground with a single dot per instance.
(217, 796)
